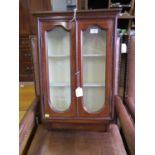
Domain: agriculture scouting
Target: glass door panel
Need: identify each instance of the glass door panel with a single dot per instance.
(59, 68)
(93, 98)
(94, 63)
(93, 70)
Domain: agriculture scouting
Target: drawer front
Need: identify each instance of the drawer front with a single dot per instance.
(24, 42)
(25, 59)
(26, 68)
(25, 56)
(25, 77)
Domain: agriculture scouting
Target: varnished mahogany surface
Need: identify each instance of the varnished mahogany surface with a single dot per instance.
(25, 59)
(130, 82)
(77, 142)
(33, 39)
(129, 96)
(126, 123)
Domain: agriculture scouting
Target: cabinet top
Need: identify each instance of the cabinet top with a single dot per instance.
(99, 13)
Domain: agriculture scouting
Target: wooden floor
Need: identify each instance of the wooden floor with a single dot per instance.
(26, 96)
(76, 143)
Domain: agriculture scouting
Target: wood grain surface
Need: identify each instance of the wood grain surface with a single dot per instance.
(70, 142)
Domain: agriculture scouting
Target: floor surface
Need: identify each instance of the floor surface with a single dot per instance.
(26, 96)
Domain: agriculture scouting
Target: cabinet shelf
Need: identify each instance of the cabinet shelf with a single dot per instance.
(93, 55)
(93, 85)
(58, 56)
(59, 85)
(68, 85)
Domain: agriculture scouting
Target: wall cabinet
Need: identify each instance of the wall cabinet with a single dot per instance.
(77, 60)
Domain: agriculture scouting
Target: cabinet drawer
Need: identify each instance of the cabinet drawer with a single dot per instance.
(24, 42)
(26, 68)
(25, 59)
(25, 56)
(26, 77)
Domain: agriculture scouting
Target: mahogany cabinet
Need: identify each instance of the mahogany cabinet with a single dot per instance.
(78, 66)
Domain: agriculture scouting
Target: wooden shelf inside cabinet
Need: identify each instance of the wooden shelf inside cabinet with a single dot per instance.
(59, 85)
(94, 55)
(58, 56)
(68, 85)
(93, 85)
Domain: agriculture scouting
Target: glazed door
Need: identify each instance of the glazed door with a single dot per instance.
(58, 62)
(95, 68)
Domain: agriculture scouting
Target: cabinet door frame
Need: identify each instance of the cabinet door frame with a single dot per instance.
(108, 26)
(48, 112)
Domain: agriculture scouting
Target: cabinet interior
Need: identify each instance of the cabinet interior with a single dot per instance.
(59, 68)
(94, 62)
